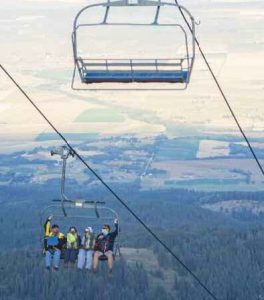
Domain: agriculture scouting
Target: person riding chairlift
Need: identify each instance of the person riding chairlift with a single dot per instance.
(85, 256)
(104, 246)
(54, 242)
(72, 246)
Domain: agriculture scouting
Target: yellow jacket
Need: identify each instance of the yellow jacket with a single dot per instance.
(49, 233)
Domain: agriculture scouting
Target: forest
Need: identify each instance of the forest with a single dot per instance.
(226, 251)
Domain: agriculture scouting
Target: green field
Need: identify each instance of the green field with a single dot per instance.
(100, 115)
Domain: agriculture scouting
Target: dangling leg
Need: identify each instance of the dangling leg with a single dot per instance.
(56, 259)
(48, 258)
(89, 259)
(67, 257)
(81, 259)
(73, 255)
(96, 260)
(110, 260)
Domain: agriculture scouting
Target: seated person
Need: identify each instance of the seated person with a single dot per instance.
(85, 256)
(54, 242)
(72, 246)
(104, 245)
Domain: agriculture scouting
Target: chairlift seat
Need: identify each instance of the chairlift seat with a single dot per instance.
(103, 257)
(126, 76)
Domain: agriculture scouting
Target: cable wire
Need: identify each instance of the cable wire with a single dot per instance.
(147, 228)
(222, 93)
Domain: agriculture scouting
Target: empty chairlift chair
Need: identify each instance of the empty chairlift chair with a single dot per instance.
(139, 70)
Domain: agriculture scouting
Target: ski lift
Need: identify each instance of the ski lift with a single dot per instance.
(94, 71)
(82, 213)
(79, 212)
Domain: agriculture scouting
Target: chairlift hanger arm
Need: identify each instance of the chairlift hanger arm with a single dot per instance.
(64, 152)
(63, 179)
(125, 4)
(122, 3)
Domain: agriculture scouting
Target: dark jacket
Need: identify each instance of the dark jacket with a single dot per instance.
(49, 238)
(105, 243)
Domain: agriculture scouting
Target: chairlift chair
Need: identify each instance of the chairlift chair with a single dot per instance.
(83, 213)
(133, 70)
(88, 212)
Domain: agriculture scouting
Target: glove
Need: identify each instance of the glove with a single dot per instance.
(115, 221)
(50, 217)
